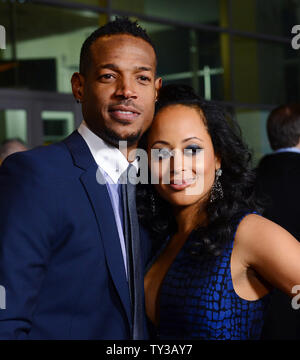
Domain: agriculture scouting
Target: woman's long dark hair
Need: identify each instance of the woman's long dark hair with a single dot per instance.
(237, 179)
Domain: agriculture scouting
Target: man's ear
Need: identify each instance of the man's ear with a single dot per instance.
(158, 85)
(77, 82)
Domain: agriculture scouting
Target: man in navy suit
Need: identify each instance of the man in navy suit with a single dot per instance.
(63, 258)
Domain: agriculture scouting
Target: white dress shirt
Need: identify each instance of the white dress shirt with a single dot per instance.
(294, 149)
(112, 163)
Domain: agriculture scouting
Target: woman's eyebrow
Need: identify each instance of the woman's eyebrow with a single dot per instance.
(190, 138)
(160, 142)
(166, 143)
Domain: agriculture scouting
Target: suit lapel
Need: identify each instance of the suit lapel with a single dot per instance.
(101, 204)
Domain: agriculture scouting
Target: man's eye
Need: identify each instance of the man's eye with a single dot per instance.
(144, 78)
(106, 77)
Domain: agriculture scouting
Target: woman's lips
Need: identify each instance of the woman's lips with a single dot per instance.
(181, 185)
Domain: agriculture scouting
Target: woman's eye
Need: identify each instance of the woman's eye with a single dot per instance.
(192, 150)
(163, 153)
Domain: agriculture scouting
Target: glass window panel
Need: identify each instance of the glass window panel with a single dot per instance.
(101, 3)
(189, 57)
(254, 131)
(172, 48)
(195, 11)
(273, 17)
(57, 125)
(265, 72)
(48, 52)
(212, 65)
(13, 124)
(6, 21)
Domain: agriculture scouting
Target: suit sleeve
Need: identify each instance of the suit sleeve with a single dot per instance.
(27, 224)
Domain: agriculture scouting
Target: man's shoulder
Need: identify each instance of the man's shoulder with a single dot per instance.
(282, 159)
(278, 156)
(278, 173)
(46, 152)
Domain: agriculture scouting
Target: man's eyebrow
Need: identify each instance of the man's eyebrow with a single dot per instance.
(112, 66)
(143, 68)
(108, 66)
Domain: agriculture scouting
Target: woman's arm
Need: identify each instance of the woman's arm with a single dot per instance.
(271, 251)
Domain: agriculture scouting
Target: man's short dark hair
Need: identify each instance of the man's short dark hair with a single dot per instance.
(283, 126)
(121, 25)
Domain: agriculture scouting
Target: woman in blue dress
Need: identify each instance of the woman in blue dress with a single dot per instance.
(216, 259)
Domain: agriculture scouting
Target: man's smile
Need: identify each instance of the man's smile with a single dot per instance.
(123, 113)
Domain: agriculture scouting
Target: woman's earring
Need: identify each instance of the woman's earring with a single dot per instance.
(216, 192)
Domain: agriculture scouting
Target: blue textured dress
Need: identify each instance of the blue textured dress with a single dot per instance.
(197, 300)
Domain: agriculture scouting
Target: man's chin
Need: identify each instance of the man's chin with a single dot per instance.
(114, 138)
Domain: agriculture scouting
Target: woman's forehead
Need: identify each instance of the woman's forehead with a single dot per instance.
(178, 120)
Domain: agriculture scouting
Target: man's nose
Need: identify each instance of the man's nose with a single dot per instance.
(126, 89)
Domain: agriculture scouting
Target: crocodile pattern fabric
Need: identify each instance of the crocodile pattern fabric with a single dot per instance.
(197, 300)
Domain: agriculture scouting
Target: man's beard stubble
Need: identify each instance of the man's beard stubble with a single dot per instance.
(113, 138)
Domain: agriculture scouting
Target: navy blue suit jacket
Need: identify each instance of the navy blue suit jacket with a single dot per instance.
(60, 256)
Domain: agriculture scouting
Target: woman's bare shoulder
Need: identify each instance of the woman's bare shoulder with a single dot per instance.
(256, 228)
(269, 249)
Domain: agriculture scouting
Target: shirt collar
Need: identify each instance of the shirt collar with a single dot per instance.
(288, 149)
(108, 157)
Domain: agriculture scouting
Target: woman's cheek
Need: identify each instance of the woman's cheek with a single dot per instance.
(209, 175)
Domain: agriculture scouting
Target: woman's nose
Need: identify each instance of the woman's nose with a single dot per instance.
(177, 161)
